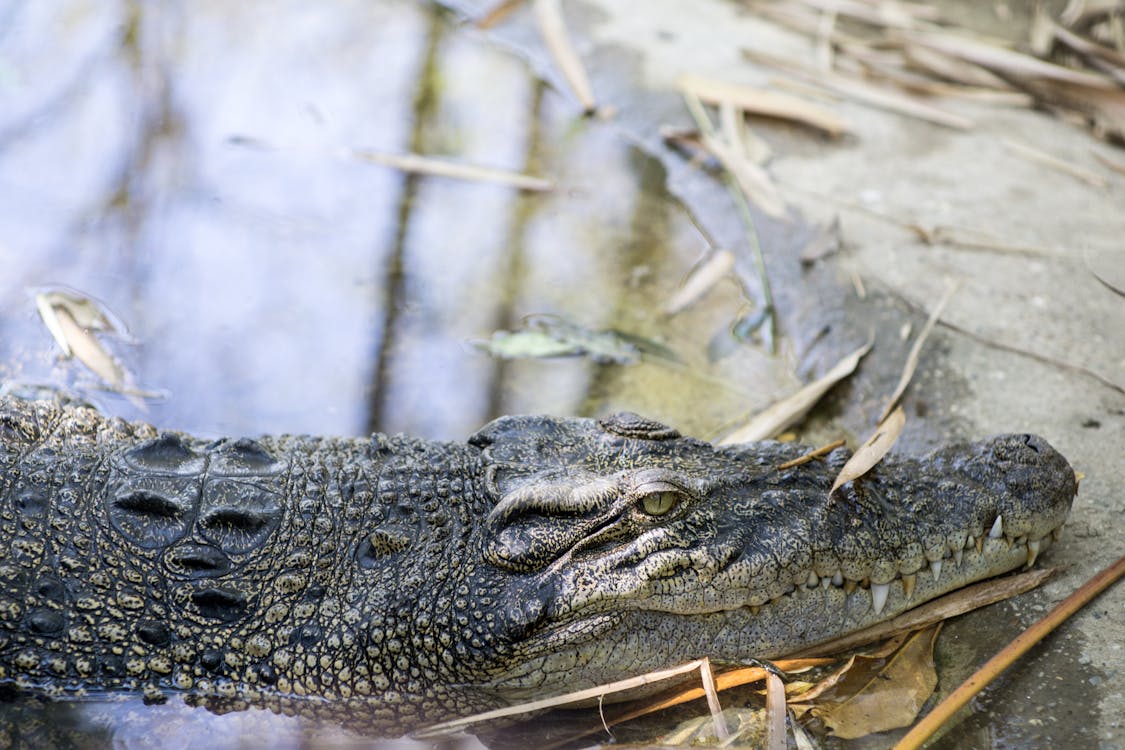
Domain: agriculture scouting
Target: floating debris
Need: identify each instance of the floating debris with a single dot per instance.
(428, 165)
(416, 164)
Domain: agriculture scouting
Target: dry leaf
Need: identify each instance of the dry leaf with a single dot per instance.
(790, 410)
(916, 350)
(1108, 267)
(73, 319)
(764, 102)
(872, 451)
(775, 713)
(864, 93)
(1006, 62)
(497, 13)
(579, 696)
(951, 68)
(812, 455)
(427, 165)
(552, 26)
(754, 181)
(875, 695)
(700, 281)
(1061, 165)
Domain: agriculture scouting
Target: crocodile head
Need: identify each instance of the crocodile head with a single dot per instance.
(623, 547)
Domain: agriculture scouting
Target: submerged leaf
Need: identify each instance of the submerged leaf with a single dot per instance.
(546, 336)
(881, 693)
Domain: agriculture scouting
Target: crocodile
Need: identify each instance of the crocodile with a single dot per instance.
(386, 583)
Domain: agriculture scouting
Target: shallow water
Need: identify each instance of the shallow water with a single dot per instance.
(190, 167)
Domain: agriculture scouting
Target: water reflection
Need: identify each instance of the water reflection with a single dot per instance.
(292, 289)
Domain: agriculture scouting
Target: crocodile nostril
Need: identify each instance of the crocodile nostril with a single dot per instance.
(1034, 442)
(197, 561)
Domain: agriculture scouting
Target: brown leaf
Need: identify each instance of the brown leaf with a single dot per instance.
(700, 281)
(775, 713)
(916, 351)
(552, 27)
(764, 102)
(788, 411)
(879, 694)
(872, 451)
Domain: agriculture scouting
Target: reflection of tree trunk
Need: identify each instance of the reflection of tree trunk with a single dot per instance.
(423, 109)
(512, 274)
(160, 127)
(647, 246)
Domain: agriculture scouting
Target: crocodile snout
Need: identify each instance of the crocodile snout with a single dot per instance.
(1037, 484)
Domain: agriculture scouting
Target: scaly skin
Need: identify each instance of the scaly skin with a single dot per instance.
(388, 583)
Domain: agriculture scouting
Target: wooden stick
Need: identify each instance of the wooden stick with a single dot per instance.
(933, 721)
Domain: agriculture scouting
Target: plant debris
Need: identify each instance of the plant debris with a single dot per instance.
(873, 693)
(764, 103)
(74, 320)
(788, 411)
(546, 336)
(1009, 654)
(1076, 67)
(916, 351)
(873, 449)
(552, 27)
(700, 280)
(418, 164)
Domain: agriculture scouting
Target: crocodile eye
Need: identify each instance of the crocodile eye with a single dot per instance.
(660, 503)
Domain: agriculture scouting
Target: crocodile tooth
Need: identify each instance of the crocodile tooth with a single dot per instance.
(970, 541)
(957, 555)
(825, 582)
(997, 529)
(908, 582)
(837, 579)
(813, 580)
(980, 544)
(849, 585)
(755, 609)
(1032, 552)
(879, 593)
(935, 568)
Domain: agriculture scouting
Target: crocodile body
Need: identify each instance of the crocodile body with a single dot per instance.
(387, 583)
